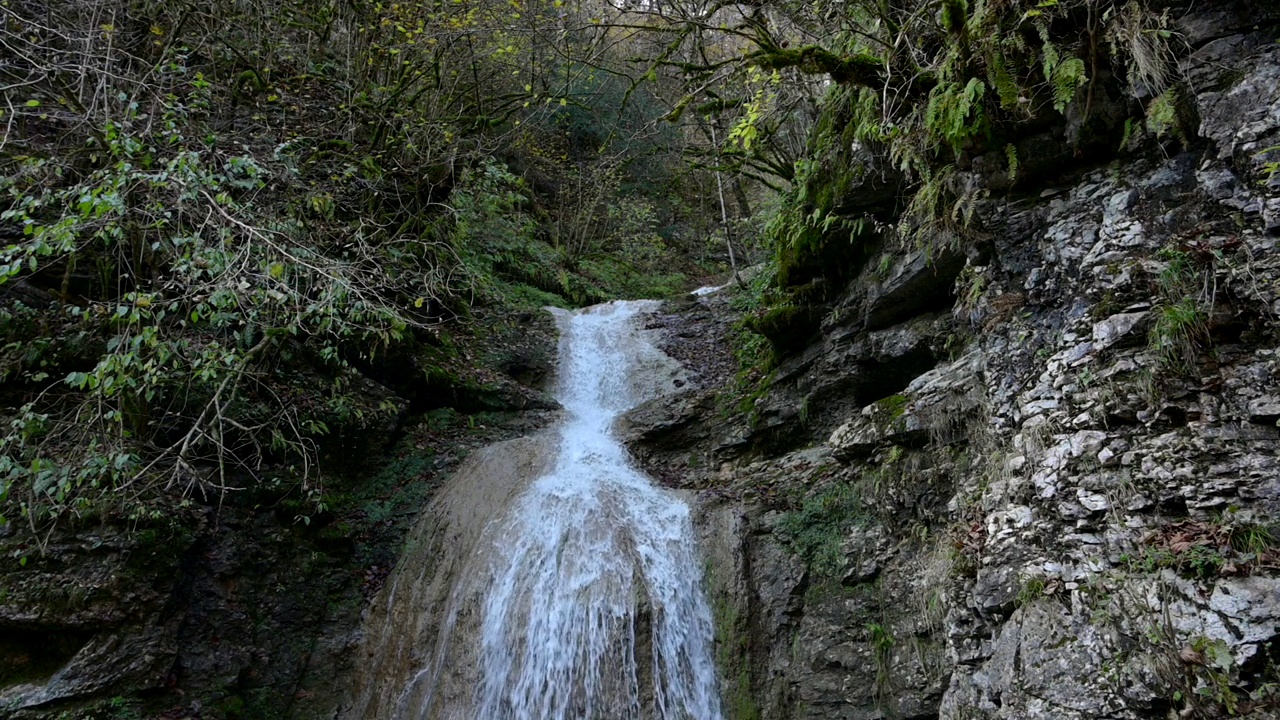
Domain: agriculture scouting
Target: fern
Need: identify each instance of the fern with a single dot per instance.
(1002, 81)
(866, 117)
(955, 114)
(966, 204)
(1128, 135)
(1068, 77)
(979, 20)
(1049, 55)
(1162, 115)
(931, 206)
(1011, 154)
(1065, 77)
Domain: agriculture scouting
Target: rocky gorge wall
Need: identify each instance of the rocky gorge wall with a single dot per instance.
(1034, 476)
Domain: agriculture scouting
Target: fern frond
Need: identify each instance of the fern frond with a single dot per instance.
(1068, 77)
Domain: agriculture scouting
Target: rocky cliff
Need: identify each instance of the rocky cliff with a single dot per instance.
(1031, 473)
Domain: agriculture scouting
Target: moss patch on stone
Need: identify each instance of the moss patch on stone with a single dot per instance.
(786, 326)
(733, 656)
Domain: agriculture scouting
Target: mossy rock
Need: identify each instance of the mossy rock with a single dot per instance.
(786, 327)
(829, 250)
(891, 408)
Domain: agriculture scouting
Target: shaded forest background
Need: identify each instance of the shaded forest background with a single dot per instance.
(239, 235)
(223, 221)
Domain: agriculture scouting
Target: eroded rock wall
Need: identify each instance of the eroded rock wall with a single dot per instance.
(1036, 476)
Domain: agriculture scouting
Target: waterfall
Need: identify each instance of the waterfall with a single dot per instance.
(581, 598)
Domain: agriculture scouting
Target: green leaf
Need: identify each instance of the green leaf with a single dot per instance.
(1219, 655)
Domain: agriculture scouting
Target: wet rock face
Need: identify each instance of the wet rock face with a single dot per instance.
(409, 621)
(1057, 496)
(216, 620)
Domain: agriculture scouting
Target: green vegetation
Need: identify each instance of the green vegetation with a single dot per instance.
(1208, 549)
(1270, 167)
(918, 91)
(892, 407)
(733, 656)
(245, 212)
(1199, 673)
(1165, 116)
(1032, 589)
(1216, 669)
(754, 355)
(991, 68)
(1180, 331)
(818, 528)
(882, 642)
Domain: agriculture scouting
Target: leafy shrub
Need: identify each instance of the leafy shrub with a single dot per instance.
(199, 298)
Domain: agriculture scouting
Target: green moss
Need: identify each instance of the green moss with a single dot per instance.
(954, 15)
(392, 491)
(753, 354)
(336, 532)
(864, 69)
(892, 407)
(232, 706)
(733, 656)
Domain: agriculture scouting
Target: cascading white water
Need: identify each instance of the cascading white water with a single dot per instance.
(584, 597)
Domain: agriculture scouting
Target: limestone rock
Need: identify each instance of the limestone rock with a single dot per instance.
(916, 283)
(1115, 328)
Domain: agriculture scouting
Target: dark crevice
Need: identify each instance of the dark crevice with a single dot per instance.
(33, 656)
(880, 380)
